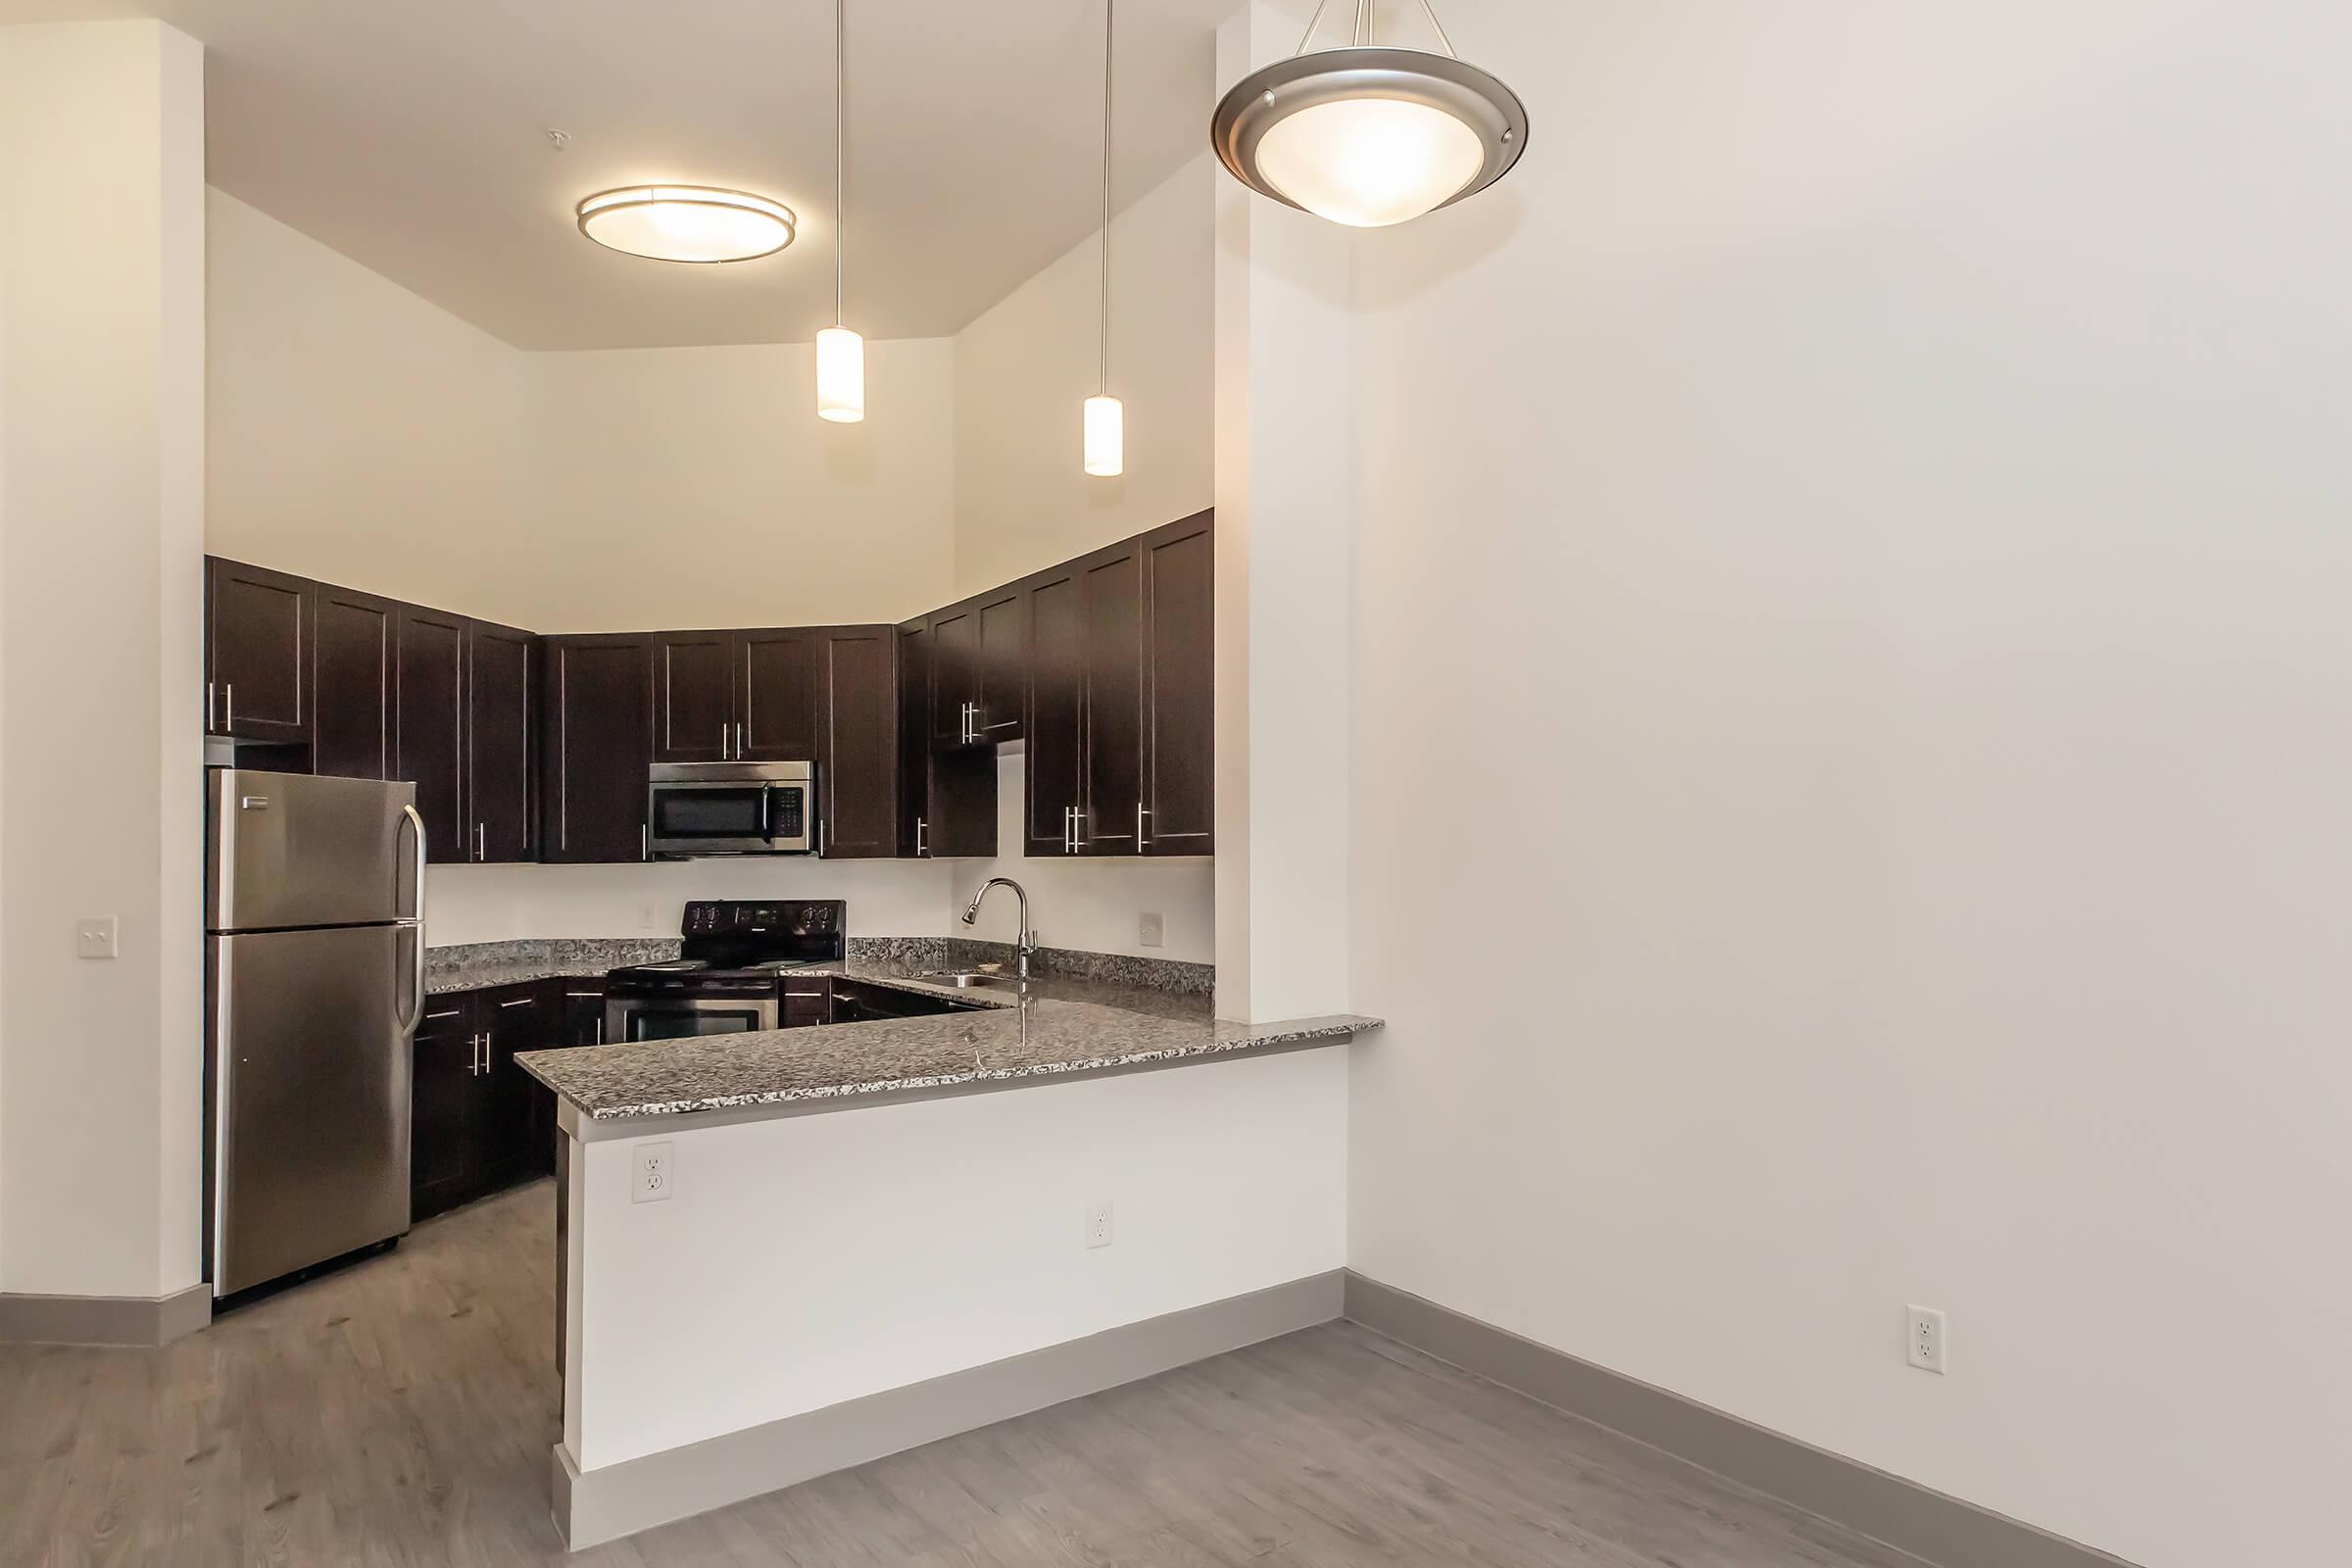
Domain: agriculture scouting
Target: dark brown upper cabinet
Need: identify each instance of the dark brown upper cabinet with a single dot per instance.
(857, 760)
(914, 738)
(779, 694)
(694, 697)
(500, 780)
(428, 725)
(1180, 677)
(352, 682)
(955, 675)
(1110, 691)
(597, 735)
(1054, 782)
(257, 627)
(1121, 698)
(998, 702)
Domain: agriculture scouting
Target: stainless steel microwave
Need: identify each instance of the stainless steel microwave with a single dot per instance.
(731, 809)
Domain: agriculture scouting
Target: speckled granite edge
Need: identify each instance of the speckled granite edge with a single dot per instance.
(1111, 968)
(1225, 1039)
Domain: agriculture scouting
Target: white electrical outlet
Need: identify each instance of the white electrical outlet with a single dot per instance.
(94, 937)
(1150, 930)
(1925, 1338)
(1098, 1223)
(651, 1177)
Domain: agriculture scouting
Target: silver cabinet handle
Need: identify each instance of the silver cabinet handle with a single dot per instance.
(1069, 838)
(526, 1002)
(1140, 814)
(922, 845)
(739, 740)
(645, 842)
(228, 702)
(451, 1012)
(481, 852)
(210, 728)
(820, 835)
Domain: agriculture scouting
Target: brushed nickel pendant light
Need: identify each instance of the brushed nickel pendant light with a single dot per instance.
(1369, 134)
(840, 351)
(1105, 431)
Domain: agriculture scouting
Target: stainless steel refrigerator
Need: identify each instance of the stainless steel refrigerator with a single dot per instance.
(314, 976)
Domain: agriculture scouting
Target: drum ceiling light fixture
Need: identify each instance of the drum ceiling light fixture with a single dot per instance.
(1369, 134)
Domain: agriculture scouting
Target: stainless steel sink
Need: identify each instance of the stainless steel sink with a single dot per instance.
(968, 979)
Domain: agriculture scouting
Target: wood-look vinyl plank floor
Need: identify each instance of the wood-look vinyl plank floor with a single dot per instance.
(399, 1414)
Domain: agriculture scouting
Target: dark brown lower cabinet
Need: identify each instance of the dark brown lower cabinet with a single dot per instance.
(580, 1018)
(445, 1106)
(855, 1001)
(808, 999)
(478, 1122)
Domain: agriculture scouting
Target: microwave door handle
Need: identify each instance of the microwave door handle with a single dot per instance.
(767, 806)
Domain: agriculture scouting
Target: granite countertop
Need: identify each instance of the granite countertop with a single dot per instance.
(1054, 1027)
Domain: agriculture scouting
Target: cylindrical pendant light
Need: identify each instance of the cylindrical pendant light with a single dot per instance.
(1105, 419)
(840, 351)
(1370, 134)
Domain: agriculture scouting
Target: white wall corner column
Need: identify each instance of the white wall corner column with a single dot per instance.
(1285, 462)
(102, 270)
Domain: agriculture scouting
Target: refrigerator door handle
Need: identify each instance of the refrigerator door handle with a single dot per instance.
(417, 890)
(414, 925)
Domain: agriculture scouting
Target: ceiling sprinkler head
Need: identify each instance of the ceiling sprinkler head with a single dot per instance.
(557, 139)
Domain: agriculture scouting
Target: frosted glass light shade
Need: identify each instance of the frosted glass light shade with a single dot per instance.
(1105, 437)
(840, 375)
(1369, 161)
(687, 222)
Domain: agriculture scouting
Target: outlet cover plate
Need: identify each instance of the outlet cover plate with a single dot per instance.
(1924, 1339)
(1150, 931)
(652, 1178)
(95, 936)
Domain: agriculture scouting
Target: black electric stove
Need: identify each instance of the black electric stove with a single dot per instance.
(729, 973)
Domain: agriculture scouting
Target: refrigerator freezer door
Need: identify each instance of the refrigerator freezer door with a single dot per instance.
(307, 1070)
(289, 850)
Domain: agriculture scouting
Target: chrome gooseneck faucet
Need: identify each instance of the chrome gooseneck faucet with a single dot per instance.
(1028, 943)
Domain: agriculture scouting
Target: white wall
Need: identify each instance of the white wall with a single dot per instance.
(1025, 367)
(357, 434)
(697, 487)
(1856, 525)
(950, 1234)
(1093, 906)
(101, 492)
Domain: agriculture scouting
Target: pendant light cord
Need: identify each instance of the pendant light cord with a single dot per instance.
(1103, 368)
(1363, 30)
(841, 72)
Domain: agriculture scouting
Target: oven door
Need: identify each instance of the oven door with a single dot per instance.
(682, 1017)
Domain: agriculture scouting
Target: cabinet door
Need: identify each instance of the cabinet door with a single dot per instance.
(955, 674)
(779, 694)
(1111, 671)
(515, 1018)
(1053, 767)
(914, 738)
(581, 1018)
(257, 629)
(694, 696)
(445, 1106)
(428, 709)
(499, 722)
(1003, 619)
(599, 737)
(858, 764)
(807, 1001)
(351, 683)
(1180, 782)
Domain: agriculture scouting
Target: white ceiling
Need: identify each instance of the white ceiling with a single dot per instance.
(411, 135)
